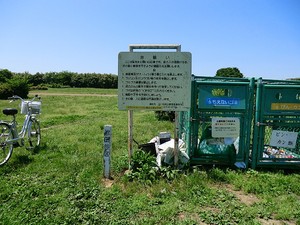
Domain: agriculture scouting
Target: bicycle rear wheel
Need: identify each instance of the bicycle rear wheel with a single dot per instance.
(34, 133)
(6, 145)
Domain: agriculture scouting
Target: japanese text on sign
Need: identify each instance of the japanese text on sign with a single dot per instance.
(222, 101)
(285, 106)
(107, 149)
(225, 127)
(107, 141)
(154, 80)
(285, 139)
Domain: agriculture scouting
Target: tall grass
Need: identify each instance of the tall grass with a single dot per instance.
(63, 182)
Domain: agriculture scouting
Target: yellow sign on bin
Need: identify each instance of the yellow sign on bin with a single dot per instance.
(285, 106)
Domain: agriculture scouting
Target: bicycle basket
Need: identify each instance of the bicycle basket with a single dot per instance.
(34, 105)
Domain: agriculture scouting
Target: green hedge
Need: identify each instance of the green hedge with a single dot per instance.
(12, 85)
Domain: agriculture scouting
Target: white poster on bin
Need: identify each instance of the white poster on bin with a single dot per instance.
(224, 127)
(285, 139)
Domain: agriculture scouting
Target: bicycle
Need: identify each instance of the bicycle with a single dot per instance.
(10, 138)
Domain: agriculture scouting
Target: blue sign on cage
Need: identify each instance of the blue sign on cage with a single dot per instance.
(222, 101)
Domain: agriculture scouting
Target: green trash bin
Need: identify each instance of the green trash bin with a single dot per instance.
(217, 128)
(276, 140)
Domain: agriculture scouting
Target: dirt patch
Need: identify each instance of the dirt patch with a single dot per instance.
(193, 216)
(275, 222)
(250, 199)
(247, 199)
(108, 182)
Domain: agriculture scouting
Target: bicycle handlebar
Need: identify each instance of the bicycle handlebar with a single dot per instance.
(16, 97)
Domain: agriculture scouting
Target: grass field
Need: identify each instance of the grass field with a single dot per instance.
(90, 91)
(63, 183)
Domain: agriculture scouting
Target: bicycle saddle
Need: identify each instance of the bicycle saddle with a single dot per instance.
(10, 111)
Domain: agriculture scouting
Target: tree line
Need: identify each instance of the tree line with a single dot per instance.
(20, 83)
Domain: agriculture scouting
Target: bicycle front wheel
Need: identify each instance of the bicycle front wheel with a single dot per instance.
(6, 144)
(34, 133)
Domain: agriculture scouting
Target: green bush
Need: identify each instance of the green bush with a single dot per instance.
(5, 75)
(12, 85)
(143, 167)
(56, 86)
(165, 115)
(15, 86)
(19, 87)
(67, 79)
(5, 90)
(39, 87)
(145, 170)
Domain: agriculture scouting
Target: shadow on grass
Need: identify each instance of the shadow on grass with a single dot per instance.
(20, 160)
(36, 150)
(23, 160)
(17, 163)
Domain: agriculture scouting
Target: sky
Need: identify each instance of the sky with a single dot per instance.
(259, 37)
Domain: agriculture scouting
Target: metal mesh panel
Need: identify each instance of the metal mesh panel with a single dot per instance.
(281, 141)
(184, 125)
(204, 135)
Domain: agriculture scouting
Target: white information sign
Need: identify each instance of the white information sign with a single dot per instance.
(224, 127)
(285, 139)
(154, 80)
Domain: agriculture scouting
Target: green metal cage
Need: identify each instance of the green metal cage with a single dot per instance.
(276, 137)
(217, 128)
